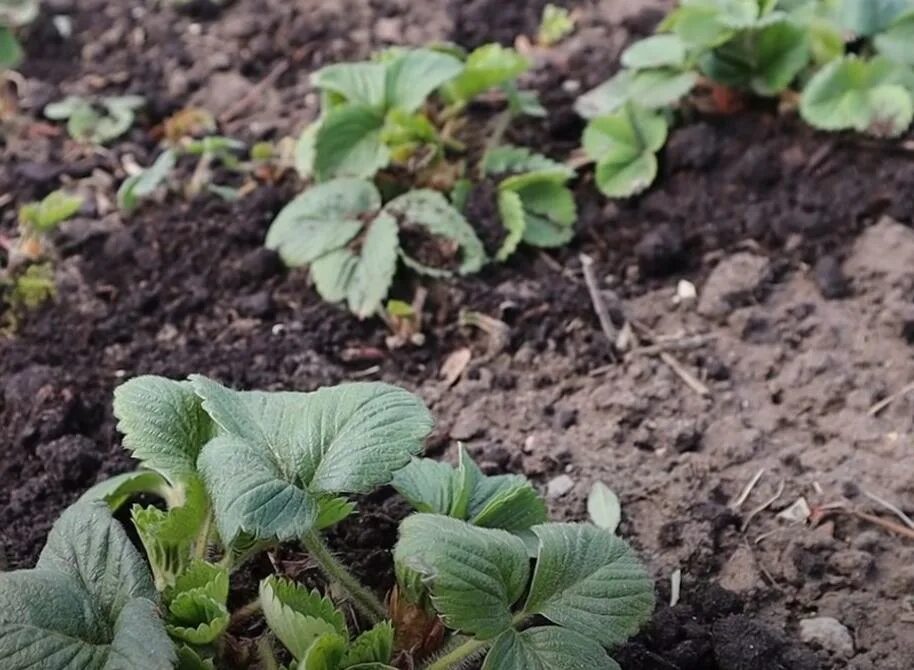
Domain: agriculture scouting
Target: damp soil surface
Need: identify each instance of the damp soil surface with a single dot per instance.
(788, 369)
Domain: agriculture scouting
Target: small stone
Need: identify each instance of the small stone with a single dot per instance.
(732, 284)
(558, 487)
(565, 419)
(828, 633)
(830, 278)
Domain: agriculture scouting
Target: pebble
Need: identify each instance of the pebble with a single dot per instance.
(830, 278)
(828, 633)
(559, 486)
(732, 283)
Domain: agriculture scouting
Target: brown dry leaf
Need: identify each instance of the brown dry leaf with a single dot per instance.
(418, 632)
(188, 122)
(454, 365)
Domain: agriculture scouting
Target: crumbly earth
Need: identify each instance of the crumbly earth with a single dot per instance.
(799, 244)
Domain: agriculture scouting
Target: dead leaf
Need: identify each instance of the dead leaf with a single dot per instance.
(454, 365)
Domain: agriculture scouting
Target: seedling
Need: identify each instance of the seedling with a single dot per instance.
(852, 58)
(37, 219)
(239, 472)
(207, 152)
(13, 15)
(352, 243)
(555, 25)
(96, 121)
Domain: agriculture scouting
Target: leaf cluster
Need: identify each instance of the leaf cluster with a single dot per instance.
(238, 472)
(852, 60)
(96, 121)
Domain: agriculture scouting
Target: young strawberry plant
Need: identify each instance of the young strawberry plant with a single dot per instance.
(96, 121)
(14, 14)
(852, 62)
(479, 570)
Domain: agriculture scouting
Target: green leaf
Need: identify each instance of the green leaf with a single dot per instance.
(332, 510)
(325, 653)
(323, 219)
(851, 93)
(163, 423)
(89, 604)
(99, 122)
(55, 208)
(117, 490)
(549, 207)
(488, 66)
(588, 580)
(547, 648)
(298, 617)
(430, 211)
(703, 25)
(348, 143)
(196, 618)
(765, 60)
(11, 53)
(144, 183)
(474, 575)
(864, 18)
(362, 83)
(411, 77)
(651, 89)
(510, 159)
(655, 51)
(603, 507)
(428, 485)
(511, 211)
(169, 536)
(555, 25)
(375, 645)
(188, 659)
(281, 451)
(304, 150)
(897, 42)
(364, 278)
(624, 146)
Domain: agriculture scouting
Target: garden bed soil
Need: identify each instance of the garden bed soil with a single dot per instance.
(800, 246)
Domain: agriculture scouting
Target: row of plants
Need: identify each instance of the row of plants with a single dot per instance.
(407, 166)
(480, 572)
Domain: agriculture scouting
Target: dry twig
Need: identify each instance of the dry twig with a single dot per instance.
(885, 402)
(747, 491)
(905, 519)
(761, 508)
(599, 306)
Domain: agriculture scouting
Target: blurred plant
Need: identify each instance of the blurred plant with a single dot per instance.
(96, 122)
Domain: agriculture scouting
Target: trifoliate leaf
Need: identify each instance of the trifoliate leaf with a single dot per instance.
(364, 278)
(97, 122)
(765, 61)
(547, 648)
(163, 423)
(10, 50)
(375, 645)
(864, 18)
(588, 580)
(474, 575)
(511, 211)
(348, 143)
(360, 83)
(852, 93)
(624, 146)
(897, 42)
(281, 451)
(169, 537)
(655, 51)
(651, 89)
(428, 485)
(488, 66)
(603, 507)
(411, 77)
(556, 24)
(324, 218)
(142, 184)
(325, 653)
(117, 490)
(89, 604)
(298, 617)
(428, 214)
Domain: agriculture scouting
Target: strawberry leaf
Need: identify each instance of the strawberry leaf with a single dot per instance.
(298, 617)
(547, 648)
(348, 143)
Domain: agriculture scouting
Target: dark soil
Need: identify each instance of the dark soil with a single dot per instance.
(805, 301)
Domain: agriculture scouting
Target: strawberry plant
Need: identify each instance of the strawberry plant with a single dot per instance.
(96, 121)
(480, 572)
(13, 15)
(851, 60)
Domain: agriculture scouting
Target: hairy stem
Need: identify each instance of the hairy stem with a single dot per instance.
(201, 543)
(465, 651)
(366, 601)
